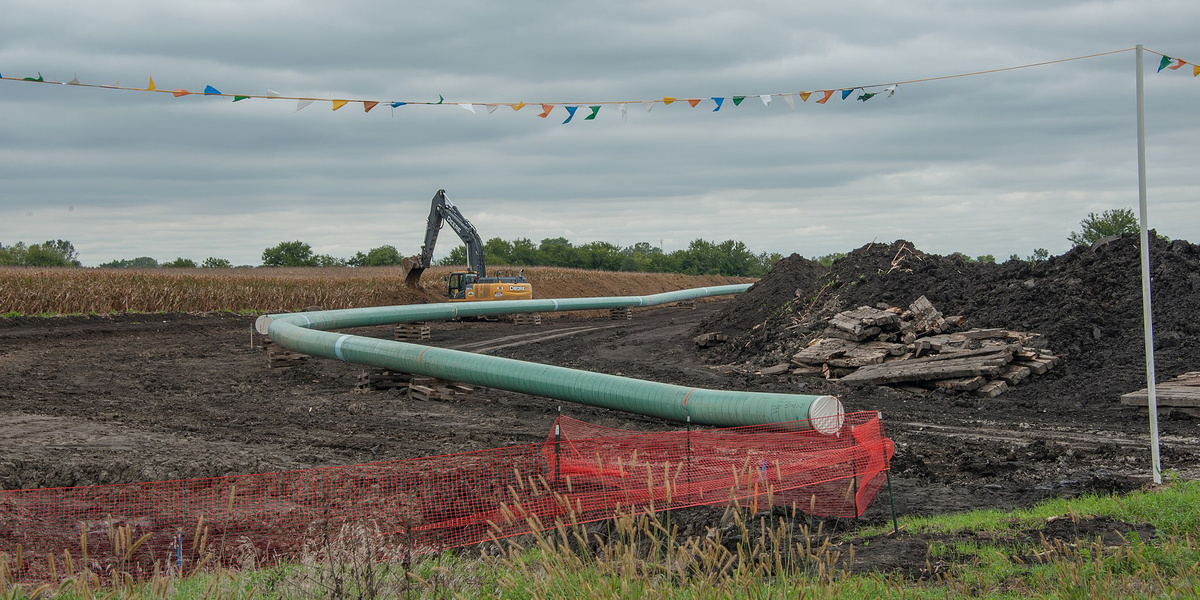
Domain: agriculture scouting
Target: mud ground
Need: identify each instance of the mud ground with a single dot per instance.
(92, 400)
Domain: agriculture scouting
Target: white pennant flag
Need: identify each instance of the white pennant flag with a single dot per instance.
(300, 104)
(624, 112)
(492, 108)
(74, 81)
(766, 98)
(468, 107)
(790, 100)
(273, 93)
(891, 90)
(649, 106)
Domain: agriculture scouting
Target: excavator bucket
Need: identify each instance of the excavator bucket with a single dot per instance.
(411, 268)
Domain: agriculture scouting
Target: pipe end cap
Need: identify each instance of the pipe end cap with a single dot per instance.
(263, 324)
(827, 414)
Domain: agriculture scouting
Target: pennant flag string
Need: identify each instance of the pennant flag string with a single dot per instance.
(866, 91)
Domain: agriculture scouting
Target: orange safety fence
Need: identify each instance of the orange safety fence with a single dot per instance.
(581, 473)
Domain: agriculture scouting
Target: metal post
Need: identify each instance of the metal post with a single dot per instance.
(1147, 325)
(557, 438)
(892, 499)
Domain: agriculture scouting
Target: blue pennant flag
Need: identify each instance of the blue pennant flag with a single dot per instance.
(571, 110)
(718, 101)
(846, 93)
(398, 104)
(211, 91)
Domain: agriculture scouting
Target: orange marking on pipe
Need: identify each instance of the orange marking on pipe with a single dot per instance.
(686, 396)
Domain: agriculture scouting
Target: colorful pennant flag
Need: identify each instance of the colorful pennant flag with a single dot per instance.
(1175, 67)
(211, 91)
(668, 100)
(846, 93)
(398, 104)
(368, 105)
(180, 92)
(592, 117)
(1162, 64)
(718, 101)
(570, 113)
(38, 78)
(339, 103)
(693, 102)
(300, 104)
(151, 87)
(546, 108)
(518, 106)
(240, 98)
(737, 100)
(865, 96)
(804, 96)
(828, 94)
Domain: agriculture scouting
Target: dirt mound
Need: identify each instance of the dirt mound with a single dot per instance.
(1086, 304)
(771, 301)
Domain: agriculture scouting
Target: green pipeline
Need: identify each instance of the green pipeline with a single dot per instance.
(309, 333)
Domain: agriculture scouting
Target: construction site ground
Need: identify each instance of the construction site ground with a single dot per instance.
(136, 397)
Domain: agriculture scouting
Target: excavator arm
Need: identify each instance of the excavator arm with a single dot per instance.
(442, 211)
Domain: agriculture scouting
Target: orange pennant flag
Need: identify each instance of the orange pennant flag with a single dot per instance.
(693, 102)
(1179, 64)
(827, 93)
(1195, 70)
(368, 105)
(804, 96)
(151, 87)
(180, 92)
(518, 106)
(339, 103)
(668, 99)
(546, 108)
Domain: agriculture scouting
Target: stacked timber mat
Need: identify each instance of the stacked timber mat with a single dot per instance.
(1085, 305)
(416, 386)
(919, 349)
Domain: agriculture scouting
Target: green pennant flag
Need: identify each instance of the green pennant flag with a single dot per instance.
(595, 110)
(865, 96)
(737, 100)
(236, 98)
(440, 99)
(1162, 64)
(39, 78)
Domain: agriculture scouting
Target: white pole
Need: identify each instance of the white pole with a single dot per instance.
(1147, 326)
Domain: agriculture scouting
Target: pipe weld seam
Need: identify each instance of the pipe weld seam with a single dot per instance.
(337, 348)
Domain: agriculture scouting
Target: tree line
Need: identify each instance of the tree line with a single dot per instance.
(701, 257)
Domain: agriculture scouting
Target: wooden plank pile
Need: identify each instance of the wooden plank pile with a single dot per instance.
(412, 331)
(527, 319)
(621, 314)
(431, 388)
(684, 304)
(1181, 394)
(920, 349)
(279, 357)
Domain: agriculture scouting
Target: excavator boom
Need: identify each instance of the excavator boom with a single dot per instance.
(442, 211)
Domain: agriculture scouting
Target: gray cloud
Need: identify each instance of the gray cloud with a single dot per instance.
(995, 164)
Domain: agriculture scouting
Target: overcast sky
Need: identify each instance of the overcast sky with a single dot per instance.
(992, 164)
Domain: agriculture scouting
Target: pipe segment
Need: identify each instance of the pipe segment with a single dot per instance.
(309, 333)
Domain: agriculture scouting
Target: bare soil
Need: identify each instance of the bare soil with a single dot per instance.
(138, 397)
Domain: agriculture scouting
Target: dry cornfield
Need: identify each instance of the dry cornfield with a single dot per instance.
(43, 291)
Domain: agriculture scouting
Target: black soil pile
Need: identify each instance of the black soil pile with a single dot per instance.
(1087, 304)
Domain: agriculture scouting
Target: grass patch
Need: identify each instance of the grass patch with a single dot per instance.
(981, 554)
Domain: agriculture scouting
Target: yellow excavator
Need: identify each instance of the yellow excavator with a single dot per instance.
(472, 285)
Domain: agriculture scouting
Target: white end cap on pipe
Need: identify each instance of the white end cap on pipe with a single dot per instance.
(263, 324)
(826, 414)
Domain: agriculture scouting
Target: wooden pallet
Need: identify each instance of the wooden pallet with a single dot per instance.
(620, 314)
(685, 304)
(428, 388)
(527, 319)
(412, 331)
(279, 357)
(382, 380)
(1181, 393)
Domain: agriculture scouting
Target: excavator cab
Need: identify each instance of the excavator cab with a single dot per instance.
(459, 284)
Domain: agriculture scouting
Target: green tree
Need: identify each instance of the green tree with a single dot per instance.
(289, 254)
(141, 262)
(180, 263)
(216, 263)
(1111, 222)
(456, 258)
(828, 259)
(383, 256)
(52, 253)
(326, 260)
(497, 252)
(557, 252)
(1039, 254)
(986, 258)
